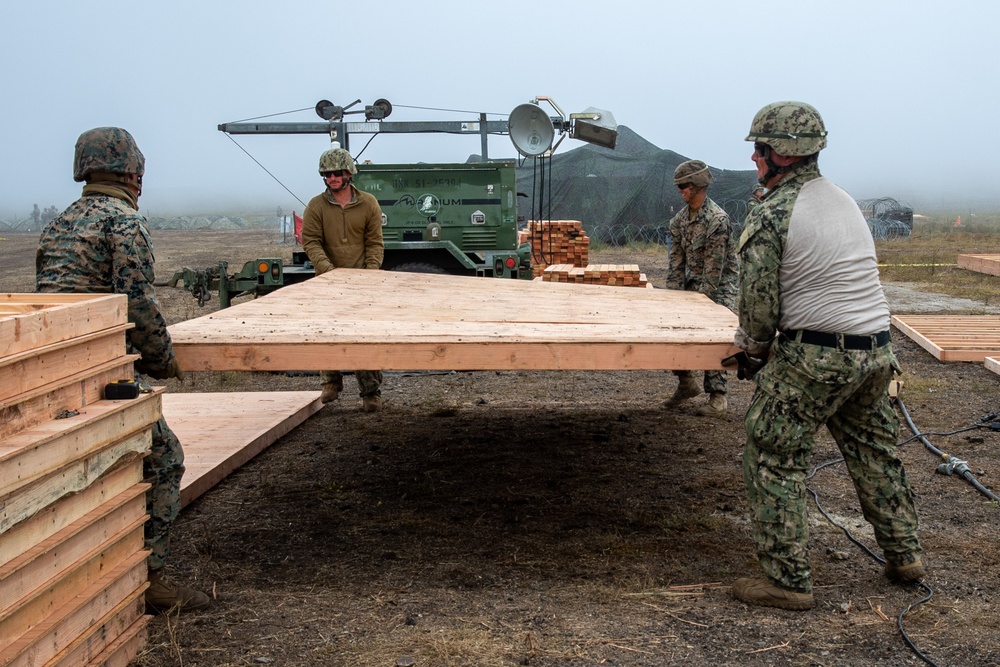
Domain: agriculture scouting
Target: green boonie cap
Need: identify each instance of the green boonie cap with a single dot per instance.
(336, 159)
(109, 149)
(694, 172)
(794, 129)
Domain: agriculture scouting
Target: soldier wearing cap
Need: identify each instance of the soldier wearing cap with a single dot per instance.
(342, 229)
(101, 244)
(814, 327)
(702, 259)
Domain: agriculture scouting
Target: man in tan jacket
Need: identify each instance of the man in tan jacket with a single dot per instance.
(342, 229)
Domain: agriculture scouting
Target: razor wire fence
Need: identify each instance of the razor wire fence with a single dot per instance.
(886, 217)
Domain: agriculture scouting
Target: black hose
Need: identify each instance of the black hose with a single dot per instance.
(951, 464)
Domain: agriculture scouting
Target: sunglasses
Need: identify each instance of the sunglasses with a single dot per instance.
(684, 186)
(340, 173)
(761, 150)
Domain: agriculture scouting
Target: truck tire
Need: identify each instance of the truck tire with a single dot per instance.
(419, 267)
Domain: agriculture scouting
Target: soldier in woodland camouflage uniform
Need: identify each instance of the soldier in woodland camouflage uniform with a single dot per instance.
(702, 259)
(100, 244)
(815, 322)
(342, 228)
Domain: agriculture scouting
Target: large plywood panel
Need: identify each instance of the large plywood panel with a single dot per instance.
(222, 431)
(953, 337)
(989, 264)
(350, 319)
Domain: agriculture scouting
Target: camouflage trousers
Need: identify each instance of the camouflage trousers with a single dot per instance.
(801, 388)
(715, 381)
(369, 382)
(163, 468)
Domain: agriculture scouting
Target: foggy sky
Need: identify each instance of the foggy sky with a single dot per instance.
(907, 88)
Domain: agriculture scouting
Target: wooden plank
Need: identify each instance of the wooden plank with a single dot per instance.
(35, 368)
(25, 620)
(35, 452)
(32, 320)
(405, 321)
(72, 392)
(126, 647)
(45, 561)
(55, 517)
(77, 613)
(222, 431)
(953, 337)
(98, 637)
(73, 478)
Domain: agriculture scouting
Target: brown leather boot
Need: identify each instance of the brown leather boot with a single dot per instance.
(687, 387)
(715, 407)
(330, 392)
(763, 593)
(164, 595)
(371, 403)
(904, 574)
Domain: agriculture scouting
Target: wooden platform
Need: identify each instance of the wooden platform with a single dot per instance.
(953, 337)
(980, 263)
(350, 319)
(222, 431)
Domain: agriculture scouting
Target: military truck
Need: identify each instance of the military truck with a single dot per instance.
(458, 219)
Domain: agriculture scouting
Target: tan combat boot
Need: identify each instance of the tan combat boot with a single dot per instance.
(163, 595)
(715, 407)
(330, 392)
(687, 387)
(904, 574)
(763, 593)
(371, 403)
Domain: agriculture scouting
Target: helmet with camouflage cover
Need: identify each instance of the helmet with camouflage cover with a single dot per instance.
(336, 159)
(107, 149)
(794, 129)
(694, 172)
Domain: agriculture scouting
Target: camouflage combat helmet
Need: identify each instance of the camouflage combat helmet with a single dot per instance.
(108, 149)
(694, 172)
(336, 159)
(794, 129)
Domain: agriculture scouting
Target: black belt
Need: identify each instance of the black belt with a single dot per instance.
(843, 341)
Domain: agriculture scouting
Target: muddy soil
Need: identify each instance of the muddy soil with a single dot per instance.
(553, 519)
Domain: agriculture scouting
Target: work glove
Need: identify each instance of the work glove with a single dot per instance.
(747, 366)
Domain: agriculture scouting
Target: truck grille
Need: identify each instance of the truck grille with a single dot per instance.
(479, 239)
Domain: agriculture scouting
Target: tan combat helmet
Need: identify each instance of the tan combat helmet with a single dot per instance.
(694, 172)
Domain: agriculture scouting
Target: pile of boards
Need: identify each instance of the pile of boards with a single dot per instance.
(615, 275)
(560, 251)
(72, 502)
(555, 242)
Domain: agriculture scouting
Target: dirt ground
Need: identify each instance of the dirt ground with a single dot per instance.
(553, 519)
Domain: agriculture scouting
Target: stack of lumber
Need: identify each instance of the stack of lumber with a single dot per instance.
(615, 275)
(72, 501)
(555, 242)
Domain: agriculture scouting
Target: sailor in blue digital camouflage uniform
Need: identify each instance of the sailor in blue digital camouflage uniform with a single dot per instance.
(814, 324)
(703, 260)
(101, 244)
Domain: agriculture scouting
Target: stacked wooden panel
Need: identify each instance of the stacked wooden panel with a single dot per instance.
(989, 264)
(72, 501)
(556, 242)
(615, 275)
